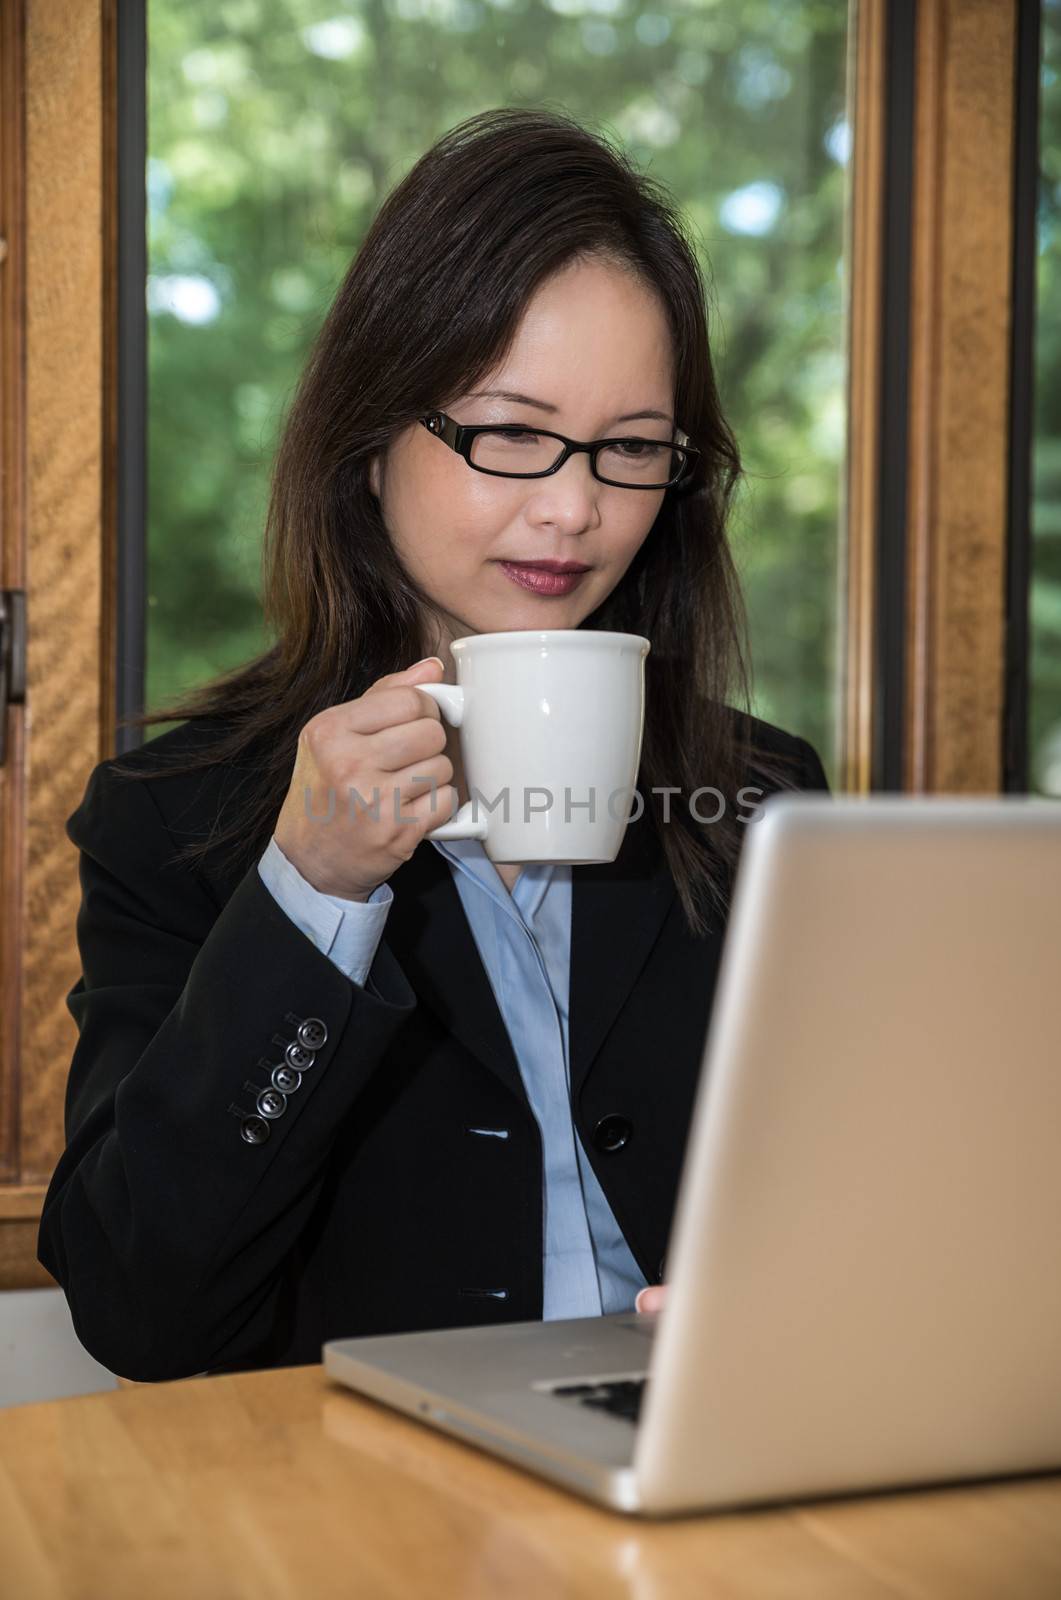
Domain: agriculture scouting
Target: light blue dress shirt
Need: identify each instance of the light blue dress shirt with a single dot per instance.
(524, 940)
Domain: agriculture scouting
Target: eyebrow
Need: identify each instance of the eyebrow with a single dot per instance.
(543, 405)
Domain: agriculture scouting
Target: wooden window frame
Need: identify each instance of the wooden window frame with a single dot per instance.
(58, 72)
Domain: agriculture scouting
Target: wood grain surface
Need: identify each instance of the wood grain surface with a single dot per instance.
(961, 309)
(53, 548)
(864, 259)
(63, 352)
(282, 1484)
(12, 559)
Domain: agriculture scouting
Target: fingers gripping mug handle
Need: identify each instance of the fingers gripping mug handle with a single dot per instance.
(464, 824)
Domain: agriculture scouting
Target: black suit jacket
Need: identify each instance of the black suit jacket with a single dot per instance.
(368, 1207)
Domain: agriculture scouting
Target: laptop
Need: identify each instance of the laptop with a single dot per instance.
(865, 1256)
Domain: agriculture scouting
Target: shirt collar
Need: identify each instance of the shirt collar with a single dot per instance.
(469, 856)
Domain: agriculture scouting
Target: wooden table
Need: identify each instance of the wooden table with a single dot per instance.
(275, 1484)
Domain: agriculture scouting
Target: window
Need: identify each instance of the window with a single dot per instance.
(276, 128)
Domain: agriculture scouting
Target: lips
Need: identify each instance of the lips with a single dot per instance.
(549, 566)
(546, 578)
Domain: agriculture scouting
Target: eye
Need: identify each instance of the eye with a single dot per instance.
(640, 449)
(516, 433)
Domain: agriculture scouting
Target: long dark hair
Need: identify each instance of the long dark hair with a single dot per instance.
(428, 307)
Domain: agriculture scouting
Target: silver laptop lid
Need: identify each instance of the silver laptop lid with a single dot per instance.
(864, 1265)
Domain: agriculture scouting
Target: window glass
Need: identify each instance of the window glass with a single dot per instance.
(277, 126)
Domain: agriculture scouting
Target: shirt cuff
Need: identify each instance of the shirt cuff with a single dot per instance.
(346, 931)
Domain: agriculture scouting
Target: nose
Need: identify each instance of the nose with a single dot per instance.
(568, 496)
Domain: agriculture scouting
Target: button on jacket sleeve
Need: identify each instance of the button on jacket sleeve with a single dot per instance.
(346, 931)
(188, 1176)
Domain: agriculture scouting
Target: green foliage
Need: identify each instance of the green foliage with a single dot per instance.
(276, 128)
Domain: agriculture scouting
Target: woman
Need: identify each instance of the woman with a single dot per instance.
(334, 1080)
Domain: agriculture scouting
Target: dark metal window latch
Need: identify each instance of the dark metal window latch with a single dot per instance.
(12, 657)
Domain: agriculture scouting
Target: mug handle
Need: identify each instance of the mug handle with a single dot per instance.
(463, 824)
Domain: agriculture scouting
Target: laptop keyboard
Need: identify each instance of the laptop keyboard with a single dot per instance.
(621, 1397)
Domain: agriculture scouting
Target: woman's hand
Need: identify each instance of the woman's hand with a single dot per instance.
(654, 1298)
(390, 740)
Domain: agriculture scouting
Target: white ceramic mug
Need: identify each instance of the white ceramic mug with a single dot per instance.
(551, 723)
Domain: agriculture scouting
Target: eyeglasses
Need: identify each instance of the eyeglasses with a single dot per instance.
(511, 451)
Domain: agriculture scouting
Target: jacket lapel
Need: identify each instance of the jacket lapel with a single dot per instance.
(617, 912)
(429, 934)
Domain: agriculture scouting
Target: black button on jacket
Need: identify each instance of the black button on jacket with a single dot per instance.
(192, 1235)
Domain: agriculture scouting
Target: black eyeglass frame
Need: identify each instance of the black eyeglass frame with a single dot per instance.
(461, 437)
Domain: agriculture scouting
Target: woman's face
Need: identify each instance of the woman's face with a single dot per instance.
(595, 348)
